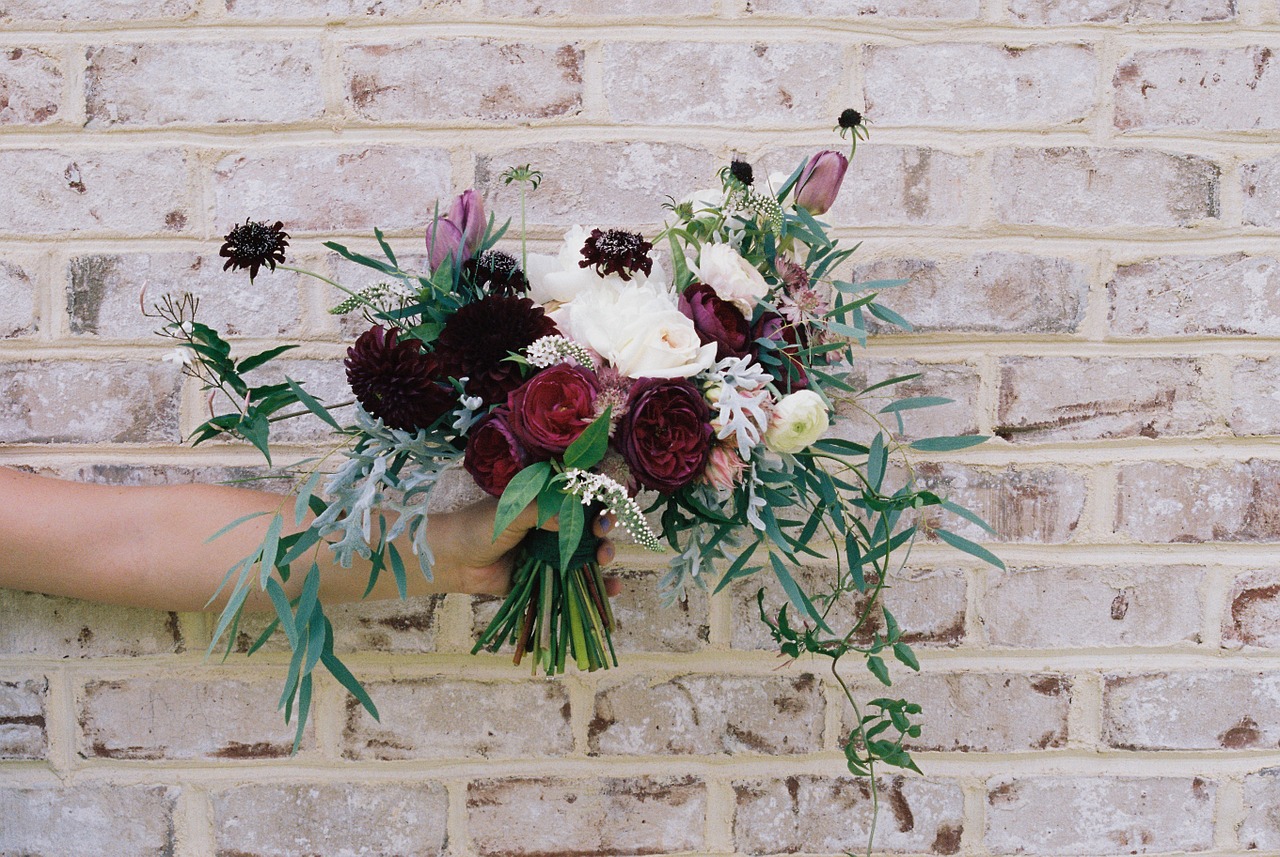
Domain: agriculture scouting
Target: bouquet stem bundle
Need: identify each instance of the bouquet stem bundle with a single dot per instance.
(555, 612)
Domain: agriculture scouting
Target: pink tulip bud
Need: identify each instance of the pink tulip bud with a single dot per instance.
(820, 182)
(444, 241)
(467, 213)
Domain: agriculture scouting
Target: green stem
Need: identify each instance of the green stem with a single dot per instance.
(322, 279)
(524, 253)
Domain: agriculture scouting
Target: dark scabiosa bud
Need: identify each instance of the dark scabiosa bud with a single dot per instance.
(252, 245)
(617, 252)
(396, 381)
(498, 273)
(849, 119)
(741, 170)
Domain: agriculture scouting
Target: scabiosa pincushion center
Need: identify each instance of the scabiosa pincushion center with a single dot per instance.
(616, 251)
(251, 245)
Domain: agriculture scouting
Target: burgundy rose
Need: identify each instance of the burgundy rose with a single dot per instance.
(551, 409)
(665, 435)
(716, 321)
(494, 454)
(774, 327)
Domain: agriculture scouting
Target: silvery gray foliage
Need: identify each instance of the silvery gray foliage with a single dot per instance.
(698, 553)
(374, 479)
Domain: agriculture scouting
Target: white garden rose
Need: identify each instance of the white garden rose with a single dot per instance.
(638, 330)
(559, 278)
(799, 419)
(732, 277)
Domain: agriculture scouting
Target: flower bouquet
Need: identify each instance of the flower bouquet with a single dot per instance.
(685, 383)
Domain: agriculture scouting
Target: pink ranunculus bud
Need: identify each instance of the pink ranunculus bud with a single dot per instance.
(820, 182)
(467, 213)
(444, 241)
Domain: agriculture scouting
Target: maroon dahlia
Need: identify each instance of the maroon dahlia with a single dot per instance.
(396, 381)
(477, 339)
(494, 454)
(666, 434)
(617, 252)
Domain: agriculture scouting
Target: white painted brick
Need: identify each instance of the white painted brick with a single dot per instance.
(1255, 397)
(1253, 611)
(99, 12)
(107, 820)
(52, 627)
(979, 85)
(23, 721)
(728, 83)
(202, 83)
(17, 297)
(1261, 827)
(507, 81)
(645, 624)
(1160, 501)
(364, 10)
(1021, 503)
(946, 10)
(1260, 181)
(30, 85)
(860, 420)
(1216, 709)
(1232, 295)
(590, 9)
(1235, 89)
(1089, 189)
(1119, 11)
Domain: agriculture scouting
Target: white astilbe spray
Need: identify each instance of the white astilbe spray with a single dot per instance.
(740, 401)
(550, 350)
(380, 296)
(597, 488)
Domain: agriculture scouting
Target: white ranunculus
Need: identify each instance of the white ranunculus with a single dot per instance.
(559, 278)
(799, 419)
(638, 329)
(732, 277)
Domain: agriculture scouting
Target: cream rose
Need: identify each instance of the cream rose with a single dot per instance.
(733, 278)
(799, 419)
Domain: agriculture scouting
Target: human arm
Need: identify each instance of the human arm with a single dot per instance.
(148, 546)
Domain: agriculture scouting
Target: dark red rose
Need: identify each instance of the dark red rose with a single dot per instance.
(716, 321)
(551, 409)
(774, 327)
(494, 454)
(665, 435)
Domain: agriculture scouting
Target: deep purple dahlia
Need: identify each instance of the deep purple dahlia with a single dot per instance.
(396, 381)
(476, 340)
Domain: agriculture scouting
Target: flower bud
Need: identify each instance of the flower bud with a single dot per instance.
(798, 420)
(444, 241)
(820, 182)
(467, 213)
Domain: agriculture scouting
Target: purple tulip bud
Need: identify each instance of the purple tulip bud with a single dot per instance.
(467, 213)
(820, 182)
(444, 241)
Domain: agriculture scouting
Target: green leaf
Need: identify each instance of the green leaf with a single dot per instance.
(590, 446)
(883, 313)
(949, 444)
(270, 549)
(839, 446)
(682, 275)
(971, 548)
(915, 403)
(397, 569)
(877, 462)
(343, 675)
(359, 258)
(520, 492)
(903, 652)
(889, 382)
(304, 711)
(237, 522)
(386, 248)
(255, 429)
(256, 360)
(573, 521)
(739, 568)
(878, 669)
(304, 497)
(795, 594)
(969, 516)
(312, 405)
(283, 610)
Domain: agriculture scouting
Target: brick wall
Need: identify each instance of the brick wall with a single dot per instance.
(1086, 195)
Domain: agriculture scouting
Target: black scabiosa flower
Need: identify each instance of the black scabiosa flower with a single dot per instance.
(497, 273)
(741, 170)
(396, 381)
(476, 340)
(252, 245)
(617, 252)
(849, 119)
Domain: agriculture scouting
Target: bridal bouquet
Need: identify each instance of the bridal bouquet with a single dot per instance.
(685, 382)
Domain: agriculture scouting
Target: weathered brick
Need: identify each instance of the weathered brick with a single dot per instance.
(325, 380)
(708, 716)
(163, 474)
(116, 401)
(928, 604)
(970, 712)
(1261, 828)
(645, 624)
(1260, 182)
(1100, 188)
(1085, 607)
(664, 9)
(341, 820)
(1255, 397)
(950, 10)
(105, 819)
(51, 627)
(165, 717)
(1021, 503)
(325, 188)
(595, 184)
(1194, 710)
(56, 192)
(1085, 398)
(468, 719)
(1099, 815)
(825, 815)
(1120, 11)
(958, 382)
(1001, 292)
(1233, 295)
(1165, 502)
(388, 625)
(1253, 611)
(17, 298)
(734, 83)
(103, 295)
(375, 10)
(892, 185)
(76, 12)
(30, 85)
(506, 81)
(202, 83)
(1232, 89)
(979, 85)
(22, 720)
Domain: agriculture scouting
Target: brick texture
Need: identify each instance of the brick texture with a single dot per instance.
(1185, 721)
(17, 298)
(32, 624)
(23, 721)
(30, 86)
(1253, 611)
(1231, 295)
(1237, 502)
(118, 819)
(1120, 11)
(1260, 181)
(1233, 89)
